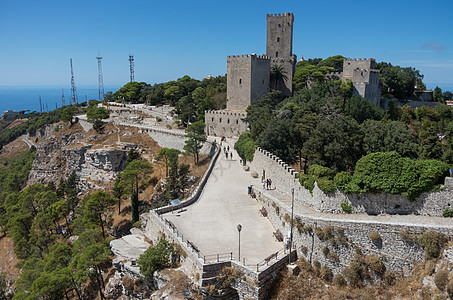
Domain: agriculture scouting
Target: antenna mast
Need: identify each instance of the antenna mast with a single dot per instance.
(73, 89)
(100, 79)
(62, 97)
(131, 66)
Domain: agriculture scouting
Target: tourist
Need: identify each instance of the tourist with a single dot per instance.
(270, 183)
(231, 155)
(228, 147)
(264, 183)
(226, 154)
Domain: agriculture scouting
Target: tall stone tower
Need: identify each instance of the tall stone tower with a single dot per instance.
(279, 47)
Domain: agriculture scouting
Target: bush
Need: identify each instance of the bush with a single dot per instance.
(304, 250)
(450, 288)
(322, 175)
(375, 237)
(326, 273)
(375, 264)
(346, 207)
(433, 242)
(287, 218)
(448, 213)
(325, 251)
(407, 236)
(155, 258)
(390, 172)
(342, 180)
(339, 280)
(333, 257)
(389, 278)
(441, 279)
(245, 146)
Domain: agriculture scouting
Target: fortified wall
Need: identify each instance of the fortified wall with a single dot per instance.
(336, 250)
(225, 123)
(284, 179)
(333, 240)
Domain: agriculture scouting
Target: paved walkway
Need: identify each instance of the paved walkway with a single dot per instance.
(211, 222)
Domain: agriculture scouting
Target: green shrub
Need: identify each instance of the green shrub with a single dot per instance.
(342, 180)
(326, 185)
(346, 207)
(325, 251)
(155, 258)
(304, 250)
(137, 224)
(448, 213)
(245, 146)
(441, 279)
(390, 172)
(322, 175)
(287, 218)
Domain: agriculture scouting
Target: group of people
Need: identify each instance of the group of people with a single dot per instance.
(226, 150)
(267, 183)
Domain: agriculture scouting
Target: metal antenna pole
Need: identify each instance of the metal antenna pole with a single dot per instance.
(62, 97)
(100, 79)
(131, 67)
(291, 234)
(73, 89)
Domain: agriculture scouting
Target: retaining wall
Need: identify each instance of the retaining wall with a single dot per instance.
(284, 179)
(399, 254)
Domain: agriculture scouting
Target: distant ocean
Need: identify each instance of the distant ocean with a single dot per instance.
(27, 98)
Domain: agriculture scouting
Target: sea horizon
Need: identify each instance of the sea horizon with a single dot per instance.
(20, 98)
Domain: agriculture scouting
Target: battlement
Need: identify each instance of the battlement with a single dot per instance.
(359, 59)
(226, 113)
(290, 171)
(248, 56)
(280, 15)
(334, 74)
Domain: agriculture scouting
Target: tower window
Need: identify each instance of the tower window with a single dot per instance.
(220, 120)
(212, 119)
(278, 40)
(228, 121)
(237, 122)
(240, 81)
(276, 54)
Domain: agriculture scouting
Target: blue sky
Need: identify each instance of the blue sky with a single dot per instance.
(172, 38)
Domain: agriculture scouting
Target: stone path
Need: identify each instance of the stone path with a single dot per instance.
(211, 222)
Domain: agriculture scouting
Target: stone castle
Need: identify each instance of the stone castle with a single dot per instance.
(249, 77)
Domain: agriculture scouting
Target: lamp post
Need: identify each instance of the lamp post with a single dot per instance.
(291, 234)
(239, 227)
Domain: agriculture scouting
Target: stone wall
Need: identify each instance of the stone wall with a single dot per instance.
(398, 254)
(225, 123)
(284, 180)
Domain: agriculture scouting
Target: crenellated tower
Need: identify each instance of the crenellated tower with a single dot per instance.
(279, 47)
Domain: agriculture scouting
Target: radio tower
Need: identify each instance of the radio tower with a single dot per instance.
(62, 97)
(73, 89)
(100, 80)
(131, 67)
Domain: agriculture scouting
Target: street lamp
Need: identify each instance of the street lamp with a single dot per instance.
(291, 234)
(239, 227)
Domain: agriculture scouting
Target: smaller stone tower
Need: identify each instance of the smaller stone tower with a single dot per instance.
(248, 80)
(279, 46)
(364, 77)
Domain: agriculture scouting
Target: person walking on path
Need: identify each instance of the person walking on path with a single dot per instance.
(264, 183)
(231, 155)
(226, 154)
(228, 147)
(270, 183)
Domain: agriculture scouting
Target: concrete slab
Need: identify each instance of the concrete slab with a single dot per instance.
(211, 222)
